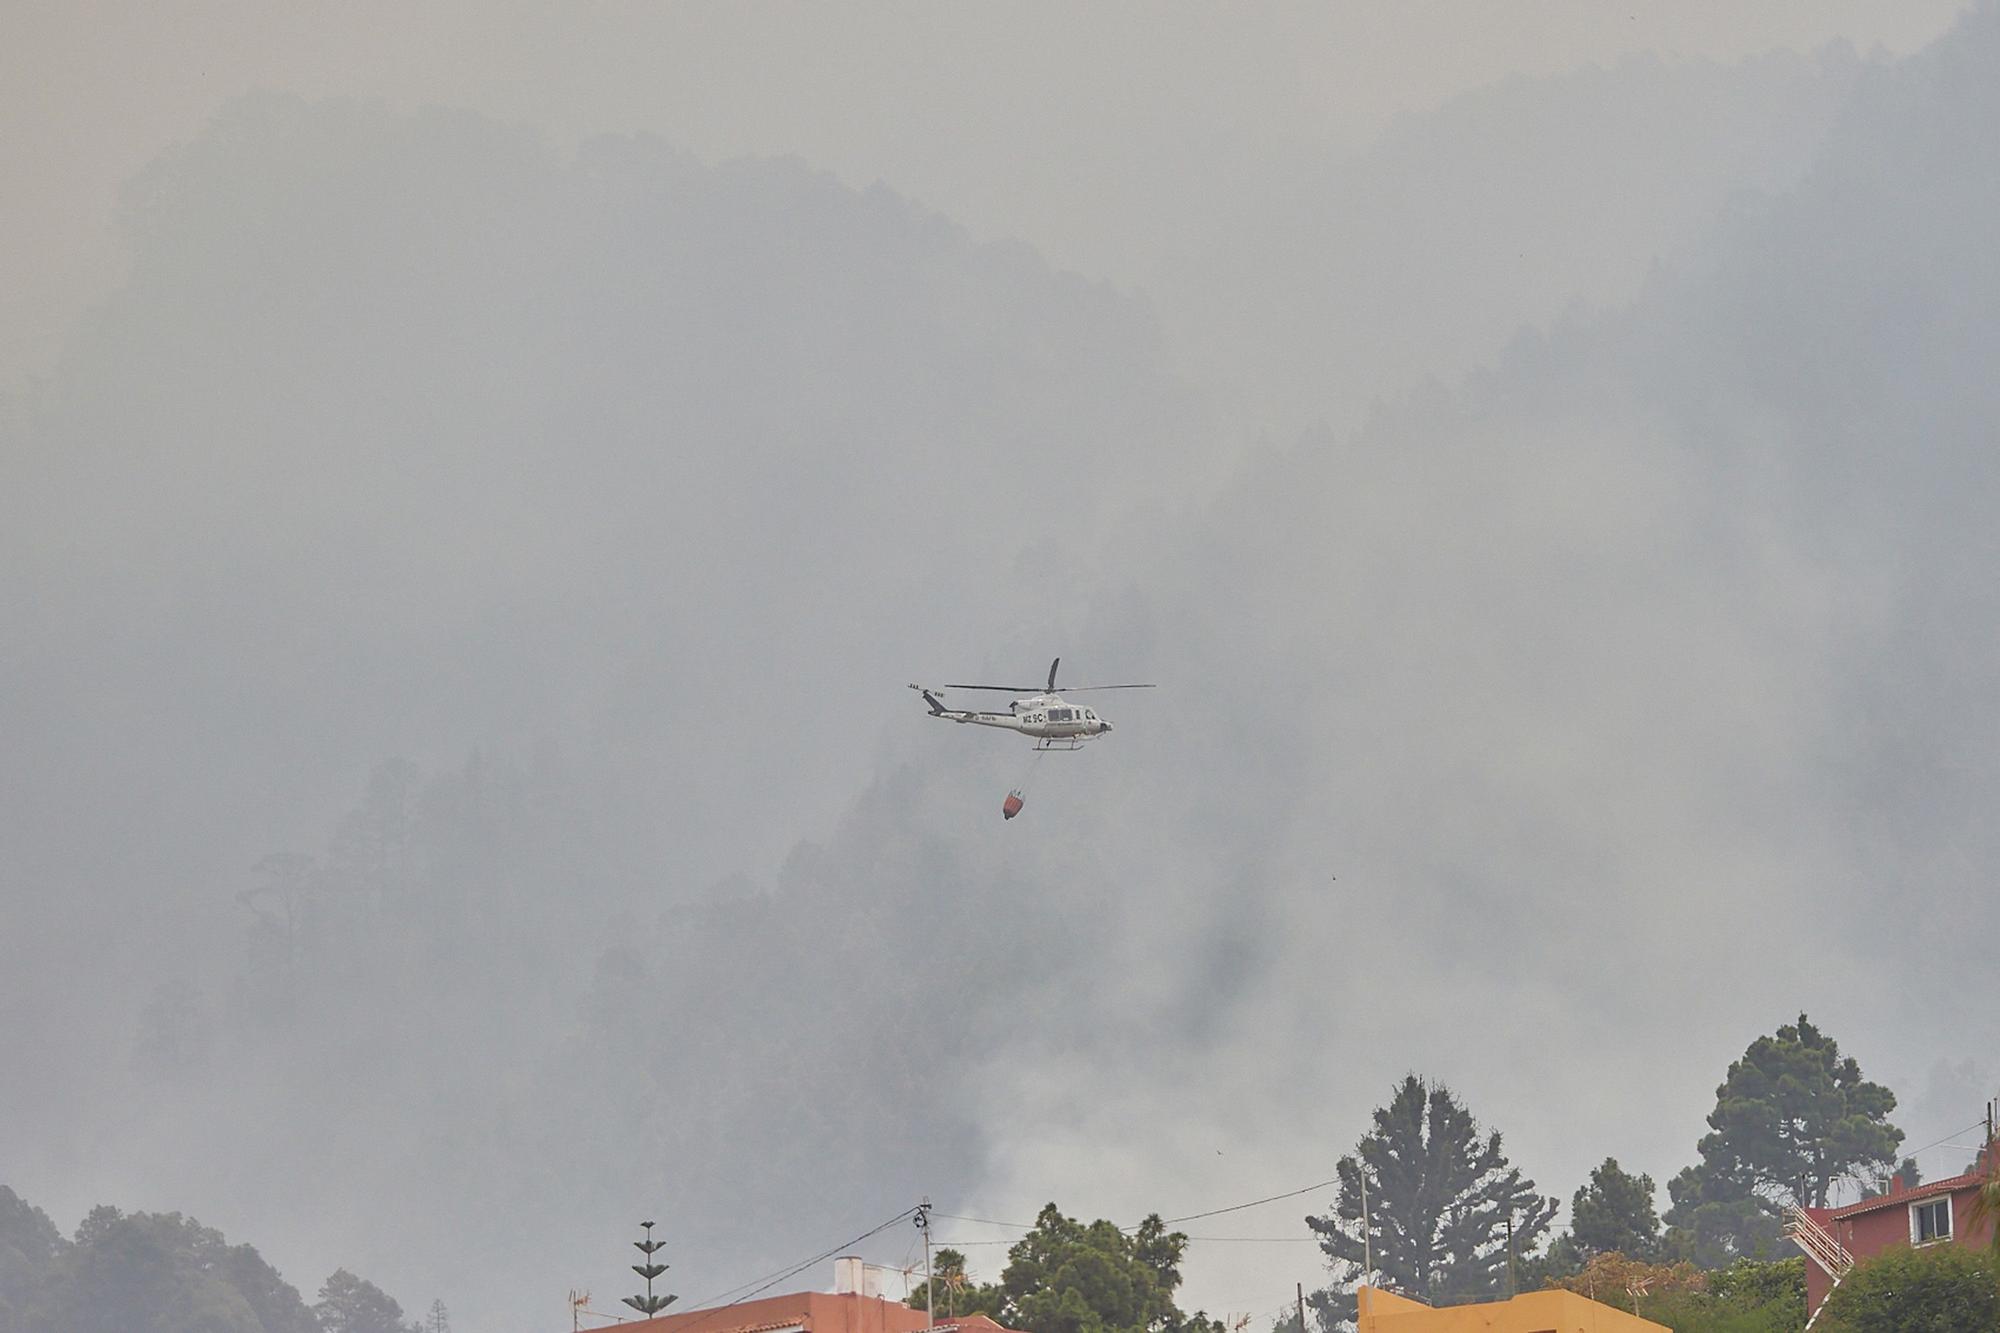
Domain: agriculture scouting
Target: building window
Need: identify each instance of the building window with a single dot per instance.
(1930, 1221)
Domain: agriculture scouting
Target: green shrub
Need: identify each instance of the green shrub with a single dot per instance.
(1938, 1289)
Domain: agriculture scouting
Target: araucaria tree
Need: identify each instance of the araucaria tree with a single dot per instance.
(1440, 1199)
(1791, 1119)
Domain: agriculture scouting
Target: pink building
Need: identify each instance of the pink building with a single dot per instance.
(1936, 1212)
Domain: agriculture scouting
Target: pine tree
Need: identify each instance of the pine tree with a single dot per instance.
(1614, 1214)
(1791, 1119)
(1440, 1201)
(348, 1304)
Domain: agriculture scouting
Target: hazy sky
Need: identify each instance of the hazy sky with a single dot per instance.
(1105, 134)
(1603, 684)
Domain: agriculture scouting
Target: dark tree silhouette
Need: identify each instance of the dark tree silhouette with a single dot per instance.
(1440, 1199)
(1791, 1118)
(348, 1304)
(1066, 1277)
(1614, 1213)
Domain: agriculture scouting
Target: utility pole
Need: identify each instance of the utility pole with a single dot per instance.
(923, 1221)
(1512, 1290)
(1302, 1305)
(1367, 1236)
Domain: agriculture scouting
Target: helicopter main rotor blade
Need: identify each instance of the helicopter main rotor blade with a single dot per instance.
(1036, 689)
(1052, 674)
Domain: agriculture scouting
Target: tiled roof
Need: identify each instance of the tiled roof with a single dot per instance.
(1930, 1189)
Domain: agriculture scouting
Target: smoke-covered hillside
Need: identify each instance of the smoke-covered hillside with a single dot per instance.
(645, 485)
(1517, 205)
(462, 799)
(1627, 689)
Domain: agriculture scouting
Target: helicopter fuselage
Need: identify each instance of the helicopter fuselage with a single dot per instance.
(1052, 721)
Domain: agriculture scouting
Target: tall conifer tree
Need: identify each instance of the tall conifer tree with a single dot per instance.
(1440, 1199)
(1614, 1213)
(1792, 1118)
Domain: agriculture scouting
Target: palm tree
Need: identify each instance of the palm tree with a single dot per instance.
(1986, 1204)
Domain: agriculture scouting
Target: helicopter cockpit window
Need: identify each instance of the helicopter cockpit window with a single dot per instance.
(1059, 715)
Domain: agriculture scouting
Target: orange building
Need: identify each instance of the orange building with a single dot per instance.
(1533, 1312)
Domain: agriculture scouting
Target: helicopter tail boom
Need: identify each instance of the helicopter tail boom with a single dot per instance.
(938, 709)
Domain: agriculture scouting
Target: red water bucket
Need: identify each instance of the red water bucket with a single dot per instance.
(1011, 806)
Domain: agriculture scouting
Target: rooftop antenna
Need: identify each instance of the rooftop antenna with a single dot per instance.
(649, 1304)
(579, 1306)
(1637, 1287)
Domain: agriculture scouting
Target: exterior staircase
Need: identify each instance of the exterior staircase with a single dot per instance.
(1821, 1247)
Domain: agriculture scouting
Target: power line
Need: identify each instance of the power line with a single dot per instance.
(759, 1285)
(953, 1244)
(1239, 1207)
(1945, 1141)
(1190, 1217)
(956, 1244)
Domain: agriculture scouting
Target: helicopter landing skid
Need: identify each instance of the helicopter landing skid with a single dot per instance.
(1061, 742)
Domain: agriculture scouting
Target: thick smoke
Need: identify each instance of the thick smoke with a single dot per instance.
(463, 798)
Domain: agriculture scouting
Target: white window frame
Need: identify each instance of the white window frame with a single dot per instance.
(1950, 1222)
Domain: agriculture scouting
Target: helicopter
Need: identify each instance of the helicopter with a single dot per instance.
(1052, 721)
